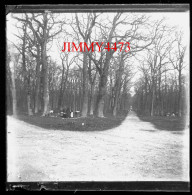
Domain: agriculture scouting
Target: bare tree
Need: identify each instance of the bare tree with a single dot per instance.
(92, 72)
(179, 65)
(157, 60)
(109, 34)
(22, 48)
(66, 63)
(13, 62)
(85, 34)
(42, 31)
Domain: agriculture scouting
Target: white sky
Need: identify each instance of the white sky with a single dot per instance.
(179, 19)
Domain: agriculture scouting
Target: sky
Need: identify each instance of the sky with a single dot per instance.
(179, 19)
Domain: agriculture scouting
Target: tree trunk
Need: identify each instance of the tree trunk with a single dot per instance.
(118, 86)
(84, 111)
(37, 89)
(29, 98)
(91, 100)
(145, 103)
(45, 84)
(180, 94)
(27, 91)
(100, 97)
(102, 87)
(14, 98)
(64, 97)
(92, 83)
(117, 94)
(45, 69)
(25, 74)
(8, 95)
(61, 90)
(160, 98)
(8, 87)
(152, 97)
(29, 105)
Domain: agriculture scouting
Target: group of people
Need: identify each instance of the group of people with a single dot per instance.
(172, 114)
(68, 113)
(65, 113)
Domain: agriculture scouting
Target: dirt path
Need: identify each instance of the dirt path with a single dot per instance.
(134, 151)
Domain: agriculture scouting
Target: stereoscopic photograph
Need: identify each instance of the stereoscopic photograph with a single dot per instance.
(97, 95)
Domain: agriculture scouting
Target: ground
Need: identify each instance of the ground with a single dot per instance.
(133, 151)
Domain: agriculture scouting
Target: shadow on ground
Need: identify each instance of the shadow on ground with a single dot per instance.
(73, 124)
(165, 123)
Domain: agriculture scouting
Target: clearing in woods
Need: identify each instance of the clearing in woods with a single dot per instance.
(134, 151)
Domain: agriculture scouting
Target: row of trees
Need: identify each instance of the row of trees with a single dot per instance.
(96, 83)
(161, 90)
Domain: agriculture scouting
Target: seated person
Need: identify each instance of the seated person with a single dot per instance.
(68, 113)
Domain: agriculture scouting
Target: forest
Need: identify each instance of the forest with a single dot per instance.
(150, 78)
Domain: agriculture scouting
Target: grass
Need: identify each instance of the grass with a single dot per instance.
(165, 123)
(99, 124)
(73, 124)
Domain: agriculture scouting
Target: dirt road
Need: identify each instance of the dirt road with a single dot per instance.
(134, 151)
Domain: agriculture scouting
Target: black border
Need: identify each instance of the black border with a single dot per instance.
(170, 186)
(99, 186)
(70, 8)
